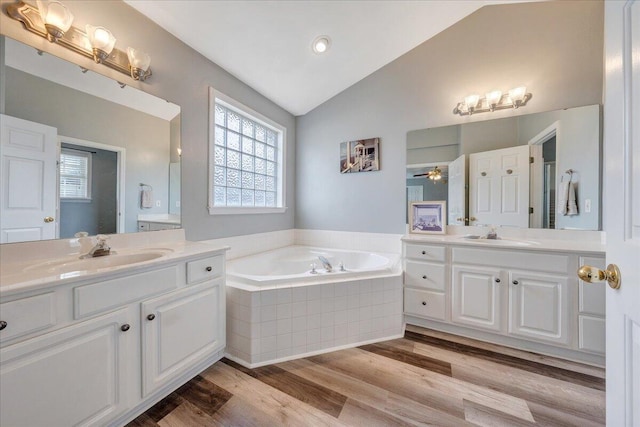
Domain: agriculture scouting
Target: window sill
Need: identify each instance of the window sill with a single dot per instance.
(244, 210)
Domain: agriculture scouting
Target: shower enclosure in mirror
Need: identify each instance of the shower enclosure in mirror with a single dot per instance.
(513, 171)
(76, 148)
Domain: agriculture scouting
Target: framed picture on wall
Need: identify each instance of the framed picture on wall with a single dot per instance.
(428, 217)
(360, 156)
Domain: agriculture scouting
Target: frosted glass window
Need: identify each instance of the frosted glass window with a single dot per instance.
(246, 160)
(75, 174)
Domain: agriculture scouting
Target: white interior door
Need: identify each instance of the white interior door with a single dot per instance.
(499, 187)
(622, 209)
(28, 193)
(457, 191)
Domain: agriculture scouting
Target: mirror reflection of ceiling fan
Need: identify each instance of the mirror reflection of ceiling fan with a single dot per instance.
(434, 174)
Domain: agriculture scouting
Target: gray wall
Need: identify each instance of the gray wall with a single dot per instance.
(181, 76)
(561, 66)
(79, 115)
(578, 147)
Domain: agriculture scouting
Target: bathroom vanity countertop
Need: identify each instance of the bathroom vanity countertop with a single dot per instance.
(21, 276)
(588, 246)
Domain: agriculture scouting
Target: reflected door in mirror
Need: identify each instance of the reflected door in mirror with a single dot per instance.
(499, 187)
(28, 156)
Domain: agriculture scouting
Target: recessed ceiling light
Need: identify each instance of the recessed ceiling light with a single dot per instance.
(321, 44)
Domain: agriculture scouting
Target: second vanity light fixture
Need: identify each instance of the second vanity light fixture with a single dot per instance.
(492, 101)
(52, 20)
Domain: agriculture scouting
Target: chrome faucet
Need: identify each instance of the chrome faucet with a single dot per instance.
(325, 263)
(100, 249)
(492, 234)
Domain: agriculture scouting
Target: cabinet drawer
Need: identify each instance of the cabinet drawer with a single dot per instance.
(512, 259)
(205, 269)
(424, 303)
(26, 315)
(425, 252)
(98, 297)
(425, 275)
(592, 334)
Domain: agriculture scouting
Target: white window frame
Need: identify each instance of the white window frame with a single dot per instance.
(89, 157)
(230, 103)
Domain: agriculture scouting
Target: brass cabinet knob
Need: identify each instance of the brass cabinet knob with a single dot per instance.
(48, 219)
(424, 303)
(424, 276)
(509, 171)
(125, 327)
(3, 324)
(483, 174)
(209, 268)
(592, 275)
(497, 280)
(515, 282)
(151, 316)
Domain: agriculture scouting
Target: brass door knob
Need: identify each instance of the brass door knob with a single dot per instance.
(49, 219)
(592, 275)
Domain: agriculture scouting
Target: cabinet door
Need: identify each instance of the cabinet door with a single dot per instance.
(475, 297)
(179, 329)
(76, 376)
(538, 306)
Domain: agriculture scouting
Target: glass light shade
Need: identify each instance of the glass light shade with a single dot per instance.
(517, 94)
(55, 14)
(471, 101)
(493, 97)
(138, 59)
(101, 38)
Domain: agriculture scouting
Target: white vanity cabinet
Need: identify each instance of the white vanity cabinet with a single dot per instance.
(526, 298)
(178, 329)
(97, 352)
(77, 375)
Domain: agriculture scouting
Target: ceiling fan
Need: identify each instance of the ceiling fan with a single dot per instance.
(434, 174)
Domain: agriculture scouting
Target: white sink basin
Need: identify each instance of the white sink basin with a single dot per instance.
(501, 241)
(69, 265)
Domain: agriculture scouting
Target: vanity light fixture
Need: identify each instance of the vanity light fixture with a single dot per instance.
(321, 44)
(492, 101)
(102, 42)
(52, 20)
(56, 17)
(139, 62)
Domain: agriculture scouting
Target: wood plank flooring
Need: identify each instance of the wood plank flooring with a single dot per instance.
(425, 378)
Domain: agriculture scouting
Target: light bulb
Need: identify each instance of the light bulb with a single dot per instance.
(471, 102)
(139, 62)
(102, 42)
(56, 17)
(517, 95)
(321, 44)
(493, 98)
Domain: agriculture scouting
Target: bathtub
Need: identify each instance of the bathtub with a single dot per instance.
(278, 310)
(294, 265)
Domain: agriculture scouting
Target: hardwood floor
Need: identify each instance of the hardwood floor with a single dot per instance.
(425, 378)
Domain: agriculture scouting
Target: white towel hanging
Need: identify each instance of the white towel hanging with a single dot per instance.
(146, 196)
(567, 196)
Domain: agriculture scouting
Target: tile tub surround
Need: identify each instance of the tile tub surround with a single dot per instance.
(270, 326)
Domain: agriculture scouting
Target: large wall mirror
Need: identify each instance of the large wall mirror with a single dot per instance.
(539, 170)
(81, 153)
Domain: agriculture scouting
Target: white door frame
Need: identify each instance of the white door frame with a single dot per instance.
(537, 172)
(120, 178)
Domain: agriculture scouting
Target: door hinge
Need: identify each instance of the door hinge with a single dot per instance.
(530, 159)
(530, 210)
